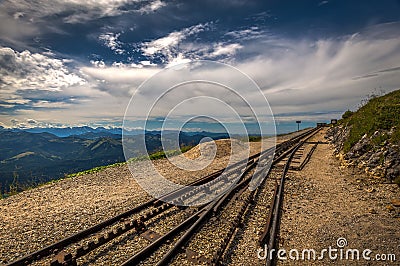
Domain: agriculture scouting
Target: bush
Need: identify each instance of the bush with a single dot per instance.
(347, 114)
(254, 138)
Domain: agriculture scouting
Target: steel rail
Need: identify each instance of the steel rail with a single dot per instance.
(206, 211)
(272, 226)
(61, 244)
(138, 225)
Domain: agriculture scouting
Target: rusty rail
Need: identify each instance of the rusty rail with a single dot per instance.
(271, 229)
(199, 218)
(137, 225)
(59, 245)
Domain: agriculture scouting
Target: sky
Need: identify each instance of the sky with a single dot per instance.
(72, 62)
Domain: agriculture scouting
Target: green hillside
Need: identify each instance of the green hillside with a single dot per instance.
(380, 113)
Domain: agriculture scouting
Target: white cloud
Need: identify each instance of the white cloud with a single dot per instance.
(153, 6)
(119, 74)
(180, 59)
(26, 70)
(111, 41)
(299, 78)
(98, 63)
(80, 11)
(245, 34)
(323, 3)
(176, 47)
(167, 45)
(163, 43)
(226, 49)
(119, 80)
(312, 76)
(147, 63)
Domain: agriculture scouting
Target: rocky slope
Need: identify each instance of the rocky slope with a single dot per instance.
(369, 138)
(377, 160)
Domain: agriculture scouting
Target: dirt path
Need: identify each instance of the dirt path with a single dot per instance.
(325, 202)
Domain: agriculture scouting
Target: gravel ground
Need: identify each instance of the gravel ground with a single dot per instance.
(243, 249)
(32, 219)
(326, 201)
(211, 235)
(35, 218)
(121, 249)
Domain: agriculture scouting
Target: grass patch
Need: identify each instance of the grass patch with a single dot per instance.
(379, 113)
(154, 156)
(164, 154)
(92, 171)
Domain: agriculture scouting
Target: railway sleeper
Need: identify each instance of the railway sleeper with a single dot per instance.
(64, 258)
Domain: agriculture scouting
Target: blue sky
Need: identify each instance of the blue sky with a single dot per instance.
(71, 62)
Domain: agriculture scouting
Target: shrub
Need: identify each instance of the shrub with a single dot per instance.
(347, 114)
(254, 138)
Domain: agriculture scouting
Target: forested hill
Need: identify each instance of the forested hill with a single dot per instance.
(28, 159)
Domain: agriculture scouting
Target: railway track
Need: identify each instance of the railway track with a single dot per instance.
(186, 241)
(260, 233)
(165, 233)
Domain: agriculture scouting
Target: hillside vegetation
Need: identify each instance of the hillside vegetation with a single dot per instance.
(370, 137)
(380, 113)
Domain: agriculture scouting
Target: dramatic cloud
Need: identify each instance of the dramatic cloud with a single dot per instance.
(167, 45)
(322, 75)
(308, 79)
(23, 20)
(79, 62)
(111, 41)
(78, 11)
(26, 70)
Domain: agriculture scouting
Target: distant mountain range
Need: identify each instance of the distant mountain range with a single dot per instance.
(90, 132)
(37, 155)
(78, 131)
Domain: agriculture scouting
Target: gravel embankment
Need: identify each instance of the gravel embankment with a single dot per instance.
(35, 218)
